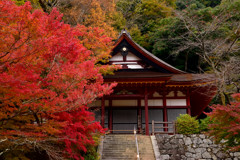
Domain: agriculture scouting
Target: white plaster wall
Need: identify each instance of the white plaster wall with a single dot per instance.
(132, 57)
(117, 57)
(153, 102)
(135, 66)
(176, 102)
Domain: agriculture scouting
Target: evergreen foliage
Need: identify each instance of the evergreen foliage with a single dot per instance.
(185, 124)
(204, 124)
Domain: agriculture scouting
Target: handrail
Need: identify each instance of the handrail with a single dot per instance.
(138, 156)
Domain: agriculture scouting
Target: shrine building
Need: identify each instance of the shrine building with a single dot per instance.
(149, 89)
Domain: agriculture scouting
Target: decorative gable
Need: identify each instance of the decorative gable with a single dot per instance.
(131, 56)
(128, 60)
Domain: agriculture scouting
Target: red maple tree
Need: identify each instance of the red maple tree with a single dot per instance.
(48, 75)
(225, 123)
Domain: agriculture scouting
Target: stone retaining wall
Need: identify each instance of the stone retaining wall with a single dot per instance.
(192, 147)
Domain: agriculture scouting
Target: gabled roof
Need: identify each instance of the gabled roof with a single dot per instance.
(202, 86)
(149, 56)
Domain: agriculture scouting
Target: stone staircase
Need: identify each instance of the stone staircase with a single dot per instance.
(123, 147)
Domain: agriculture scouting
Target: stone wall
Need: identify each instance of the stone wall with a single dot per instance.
(192, 147)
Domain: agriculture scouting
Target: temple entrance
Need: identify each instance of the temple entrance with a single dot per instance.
(124, 120)
(154, 114)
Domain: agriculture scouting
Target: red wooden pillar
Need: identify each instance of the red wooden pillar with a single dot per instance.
(188, 103)
(165, 118)
(146, 111)
(139, 115)
(110, 118)
(102, 111)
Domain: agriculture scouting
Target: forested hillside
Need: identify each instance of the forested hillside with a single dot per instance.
(196, 36)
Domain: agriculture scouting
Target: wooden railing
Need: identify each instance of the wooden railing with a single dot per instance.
(165, 127)
(122, 131)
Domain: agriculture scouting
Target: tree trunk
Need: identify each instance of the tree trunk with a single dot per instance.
(186, 61)
(223, 98)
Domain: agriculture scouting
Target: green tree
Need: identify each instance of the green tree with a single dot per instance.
(214, 35)
(142, 15)
(165, 41)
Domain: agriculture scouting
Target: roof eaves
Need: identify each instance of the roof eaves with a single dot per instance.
(124, 32)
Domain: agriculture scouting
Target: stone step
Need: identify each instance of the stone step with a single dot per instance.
(119, 155)
(118, 158)
(121, 147)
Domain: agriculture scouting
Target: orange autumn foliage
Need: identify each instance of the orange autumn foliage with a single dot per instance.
(49, 72)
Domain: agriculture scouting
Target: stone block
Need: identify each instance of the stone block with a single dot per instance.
(202, 136)
(188, 154)
(206, 155)
(207, 141)
(181, 142)
(237, 154)
(179, 136)
(190, 149)
(221, 155)
(197, 156)
(214, 157)
(167, 146)
(200, 150)
(193, 135)
(164, 157)
(215, 150)
(204, 145)
(187, 141)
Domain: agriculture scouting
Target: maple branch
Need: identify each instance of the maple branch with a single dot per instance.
(35, 116)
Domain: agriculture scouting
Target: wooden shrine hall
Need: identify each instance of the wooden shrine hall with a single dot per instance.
(149, 89)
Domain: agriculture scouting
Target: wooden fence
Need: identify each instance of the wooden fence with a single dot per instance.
(165, 126)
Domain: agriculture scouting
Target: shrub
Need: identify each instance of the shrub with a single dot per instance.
(92, 153)
(187, 125)
(204, 124)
